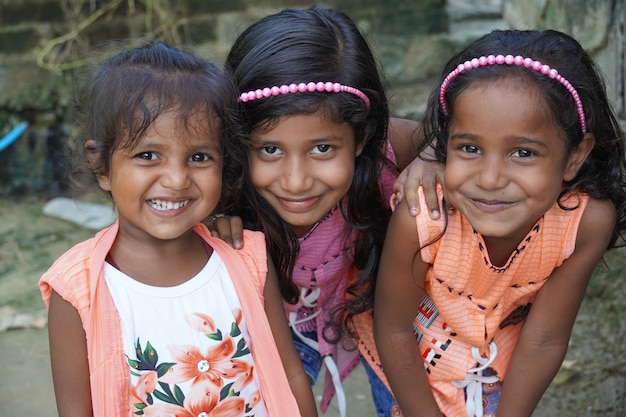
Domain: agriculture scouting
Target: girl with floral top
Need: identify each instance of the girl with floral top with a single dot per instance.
(153, 316)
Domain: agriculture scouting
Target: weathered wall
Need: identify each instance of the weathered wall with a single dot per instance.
(41, 41)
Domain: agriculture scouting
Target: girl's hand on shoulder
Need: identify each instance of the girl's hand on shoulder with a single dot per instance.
(418, 173)
(227, 228)
(405, 137)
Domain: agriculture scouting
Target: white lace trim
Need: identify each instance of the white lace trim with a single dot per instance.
(310, 300)
(474, 380)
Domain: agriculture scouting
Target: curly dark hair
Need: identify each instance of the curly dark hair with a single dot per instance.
(123, 95)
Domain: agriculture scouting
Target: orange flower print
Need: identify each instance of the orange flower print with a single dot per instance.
(255, 398)
(229, 407)
(201, 322)
(244, 372)
(165, 410)
(146, 384)
(238, 316)
(207, 404)
(194, 366)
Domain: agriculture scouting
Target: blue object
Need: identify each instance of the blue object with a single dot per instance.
(13, 135)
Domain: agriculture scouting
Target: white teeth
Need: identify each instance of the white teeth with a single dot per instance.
(167, 205)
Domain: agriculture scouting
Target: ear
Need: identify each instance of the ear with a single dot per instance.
(93, 156)
(578, 156)
(359, 149)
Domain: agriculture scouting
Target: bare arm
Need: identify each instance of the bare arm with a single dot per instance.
(298, 380)
(405, 137)
(546, 332)
(68, 355)
(399, 289)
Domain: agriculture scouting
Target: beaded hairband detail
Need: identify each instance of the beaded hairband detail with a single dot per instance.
(517, 61)
(309, 87)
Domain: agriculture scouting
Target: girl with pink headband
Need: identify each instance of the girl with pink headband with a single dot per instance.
(473, 312)
(319, 159)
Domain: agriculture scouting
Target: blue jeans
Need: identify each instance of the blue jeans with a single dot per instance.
(385, 404)
(310, 358)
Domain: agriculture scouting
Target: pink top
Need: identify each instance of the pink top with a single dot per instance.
(321, 273)
(77, 276)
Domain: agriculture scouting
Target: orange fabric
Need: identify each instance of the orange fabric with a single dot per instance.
(473, 302)
(77, 276)
(470, 298)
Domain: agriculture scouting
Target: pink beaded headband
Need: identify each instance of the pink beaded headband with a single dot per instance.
(302, 88)
(518, 61)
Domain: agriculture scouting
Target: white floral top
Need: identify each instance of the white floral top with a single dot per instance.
(187, 346)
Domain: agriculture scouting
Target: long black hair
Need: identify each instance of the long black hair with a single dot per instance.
(312, 45)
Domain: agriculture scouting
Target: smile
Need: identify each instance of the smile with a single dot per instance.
(162, 205)
(492, 206)
(301, 205)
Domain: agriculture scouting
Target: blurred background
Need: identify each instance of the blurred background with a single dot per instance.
(45, 43)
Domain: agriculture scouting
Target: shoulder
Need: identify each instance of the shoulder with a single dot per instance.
(81, 254)
(253, 253)
(69, 275)
(404, 228)
(256, 239)
(597, 223)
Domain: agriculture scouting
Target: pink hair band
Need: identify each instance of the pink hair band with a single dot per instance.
(517, 61)
(309, 87)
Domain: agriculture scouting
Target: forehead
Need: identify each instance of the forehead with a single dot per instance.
(193, 129)
(304, 127)
(510, 105)
(509, 93)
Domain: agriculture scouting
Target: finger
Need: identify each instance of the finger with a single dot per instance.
(398, 185)
(412, 197)
(236, 228)
(222, 227)
(429, 186)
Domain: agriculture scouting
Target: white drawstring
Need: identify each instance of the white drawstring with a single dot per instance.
(474, 380)
(310, 300)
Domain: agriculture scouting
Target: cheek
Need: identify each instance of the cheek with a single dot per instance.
(453, 175)
(260, 175)
(338, 176)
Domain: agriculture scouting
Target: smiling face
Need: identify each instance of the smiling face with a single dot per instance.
(303, 167)
(507, 159)
(170, 181)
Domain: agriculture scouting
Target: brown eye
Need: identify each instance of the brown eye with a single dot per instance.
(321, 149)
(523, 153)
(199, 157)
(148, 156)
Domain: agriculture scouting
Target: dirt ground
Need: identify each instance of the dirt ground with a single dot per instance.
(592, 380)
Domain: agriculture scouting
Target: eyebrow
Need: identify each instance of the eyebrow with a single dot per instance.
(269, 140)
(517, 140)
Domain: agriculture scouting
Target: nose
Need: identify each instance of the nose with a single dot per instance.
(492, 173)
(175, 176)
(295, 177)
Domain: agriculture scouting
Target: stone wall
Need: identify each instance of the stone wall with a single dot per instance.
(43, 41)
